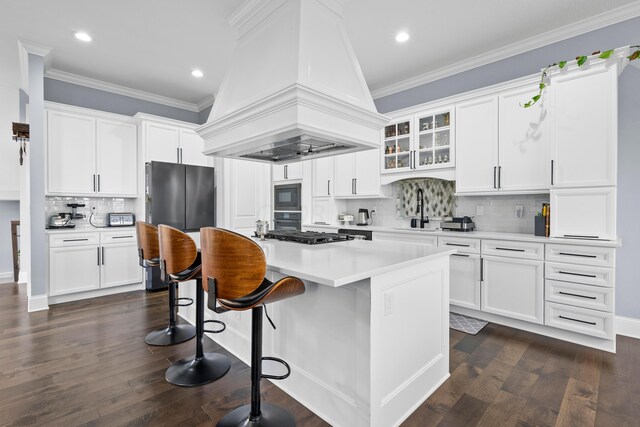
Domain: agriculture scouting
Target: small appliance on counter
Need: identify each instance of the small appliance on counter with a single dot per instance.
(464, 223)
(121, 219)
(61, 220)
(363, 217)
(345, 219)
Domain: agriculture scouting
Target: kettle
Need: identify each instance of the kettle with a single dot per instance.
(363, 217)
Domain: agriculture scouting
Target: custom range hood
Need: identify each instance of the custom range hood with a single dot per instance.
(294, 89)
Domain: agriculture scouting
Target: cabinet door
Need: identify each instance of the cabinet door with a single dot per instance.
(465, 281)
(584, 212)
(523, 142)
(119, 265)
(74, 269)
(584, 146)
(278, 172)
(191, 146)
(344, 174)
(513, 288)
(248, 192)
(71, 153)
(117, 158)
(477, 146)
(162, 142)
(294, 170)
(367, 164)
(322, 177)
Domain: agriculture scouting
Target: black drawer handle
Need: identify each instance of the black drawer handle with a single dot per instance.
(576, 295)
(510, 249)
(593, 276)
(457, 244)
(75, 240)
(577, 320)
(580, 255)
(122, 237)
(580, 237)
(467, 256)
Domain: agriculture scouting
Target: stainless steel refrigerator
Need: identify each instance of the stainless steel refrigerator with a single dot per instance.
(182, 196)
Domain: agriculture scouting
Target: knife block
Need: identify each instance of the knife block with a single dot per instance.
(540, 226)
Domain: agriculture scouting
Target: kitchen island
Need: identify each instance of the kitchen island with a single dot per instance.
(367, 342)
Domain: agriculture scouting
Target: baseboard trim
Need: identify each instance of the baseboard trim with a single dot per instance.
(38, 303)
(628, 327)
(6, 277)
(59, 299)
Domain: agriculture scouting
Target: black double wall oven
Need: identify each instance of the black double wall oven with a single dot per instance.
(287, 206)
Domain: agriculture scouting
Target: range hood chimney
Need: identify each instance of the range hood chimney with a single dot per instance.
(294, 89)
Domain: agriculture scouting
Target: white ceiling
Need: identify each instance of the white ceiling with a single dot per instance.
(152, 45)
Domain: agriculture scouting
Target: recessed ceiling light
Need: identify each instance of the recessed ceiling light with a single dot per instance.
(82, 36)
(197, 73)
(402, 37)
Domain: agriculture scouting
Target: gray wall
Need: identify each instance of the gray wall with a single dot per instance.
(9, 211)
(622, 34)
(81, 96)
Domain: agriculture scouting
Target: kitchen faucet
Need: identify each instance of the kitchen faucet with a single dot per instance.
(420, 208)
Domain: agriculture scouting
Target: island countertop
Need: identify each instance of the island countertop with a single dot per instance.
(340, 263)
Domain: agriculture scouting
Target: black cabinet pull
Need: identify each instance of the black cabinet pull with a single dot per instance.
(328, 187)
(181, 160)
(102, 255)
(510, 249)
(577, 320)
(580, 255)
(122, 237)
(75, 240)
(98, 251)
(482, 269)
(178, 155)
(457, 244)
(593, 276)
(94, 182)
(576, 295)
(98, 183)
(464, 255)
(551, 172)
(499, 176)
(494, 176)
(577, 236)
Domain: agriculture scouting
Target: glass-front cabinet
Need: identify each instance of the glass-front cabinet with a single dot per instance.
(421, 141)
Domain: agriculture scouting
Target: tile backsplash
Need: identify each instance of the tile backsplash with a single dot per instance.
(103, 205)
(438, 197)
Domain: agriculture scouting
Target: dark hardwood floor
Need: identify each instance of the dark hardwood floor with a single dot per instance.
(86, 363)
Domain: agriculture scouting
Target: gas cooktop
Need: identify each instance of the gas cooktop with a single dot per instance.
(308, 237)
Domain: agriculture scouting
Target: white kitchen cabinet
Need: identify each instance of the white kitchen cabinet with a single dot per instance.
(119, 264)
(476, 146)
(191, 147)
(74, 269)
(523, 142)
(357, 174)
(584, 213)
(162, 142)
(322, 177)
(171, 141)
(513, 288)
(464, 280)
(90, 155)
(288, 172)
(244, 193)
(585, 126)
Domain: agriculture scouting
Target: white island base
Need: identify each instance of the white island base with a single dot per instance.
(364, 353)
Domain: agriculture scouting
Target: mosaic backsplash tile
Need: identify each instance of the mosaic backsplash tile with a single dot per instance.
(439, 199)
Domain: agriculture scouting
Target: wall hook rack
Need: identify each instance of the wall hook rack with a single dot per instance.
(21, 136)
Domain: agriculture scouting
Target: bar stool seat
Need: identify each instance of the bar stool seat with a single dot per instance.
(149, 257)
(234, 267)
(180, 262)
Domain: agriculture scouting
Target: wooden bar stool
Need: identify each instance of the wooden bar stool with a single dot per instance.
(149, 256)
(234, 267)
(180, 262)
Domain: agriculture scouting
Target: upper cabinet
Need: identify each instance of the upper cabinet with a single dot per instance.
(90, 154)
(288, 172)
(358, 175)
(585, 108)
(419, 142)
(172, 142)
(501, 146)
(322, 177)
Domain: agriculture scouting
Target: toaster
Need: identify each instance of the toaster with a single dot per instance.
(464, 223)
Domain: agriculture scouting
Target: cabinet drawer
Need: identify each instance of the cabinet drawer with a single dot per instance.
(586, 255)
(511, 249)
(464, 245)
(598, 276)
(73, 239)
(121, 237)
(419, 238)
(579, 295)
(582, 320)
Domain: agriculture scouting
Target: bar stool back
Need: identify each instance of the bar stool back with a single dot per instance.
(180, 262)
(149, 257)
(234, 267)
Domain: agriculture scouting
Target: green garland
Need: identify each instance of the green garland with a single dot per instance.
(581, 61)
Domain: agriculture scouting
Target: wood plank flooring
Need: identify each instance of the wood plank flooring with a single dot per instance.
(86, 363)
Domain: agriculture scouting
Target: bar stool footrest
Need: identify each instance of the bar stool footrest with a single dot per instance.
(178, 304)
(277, 377)
(217, 331)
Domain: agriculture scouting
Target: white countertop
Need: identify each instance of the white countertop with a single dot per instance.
(340, 263)
(494, 235)
(89, 229)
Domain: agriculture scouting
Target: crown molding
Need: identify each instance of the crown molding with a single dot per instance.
(206, 102)
(26, 47)
(120, 90)
(611, 17)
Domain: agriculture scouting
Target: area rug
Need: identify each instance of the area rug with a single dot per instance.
(466, 324)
